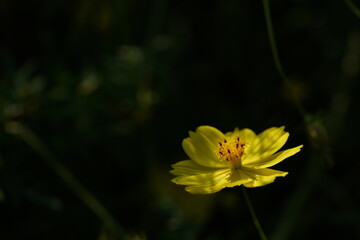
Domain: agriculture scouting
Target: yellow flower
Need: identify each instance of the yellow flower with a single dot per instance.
(236, 158)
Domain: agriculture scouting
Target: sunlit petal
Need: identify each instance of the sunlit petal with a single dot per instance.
(189, 167)
(264, 176)
(205, 182)
(275, 158)
(238, 177)
(200, 152)
(265, 144)
(210, 136)
(247, 135)
(204, 179)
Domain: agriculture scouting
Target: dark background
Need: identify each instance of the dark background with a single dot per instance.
(111, 88)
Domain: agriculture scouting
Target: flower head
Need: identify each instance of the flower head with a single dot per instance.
(236, 158)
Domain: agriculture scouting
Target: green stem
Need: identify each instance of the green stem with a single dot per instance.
(353, 8)
(65, 174)
(275, 54)
(253, 215)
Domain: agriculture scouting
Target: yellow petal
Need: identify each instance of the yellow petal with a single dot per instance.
(203, 189)
(239, 177)
(265, 144)
(215, 181)
(263, 176)
(275, 158)
(204, 179)
(201, 146)
(246, 135)
(210, 136)
(204, 183)
(189, 167)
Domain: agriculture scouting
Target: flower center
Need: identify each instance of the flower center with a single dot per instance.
(231, 151)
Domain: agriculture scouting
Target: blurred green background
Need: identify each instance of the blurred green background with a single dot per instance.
(105, 91)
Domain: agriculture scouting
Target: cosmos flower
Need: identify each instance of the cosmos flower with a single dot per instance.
(236, 158)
